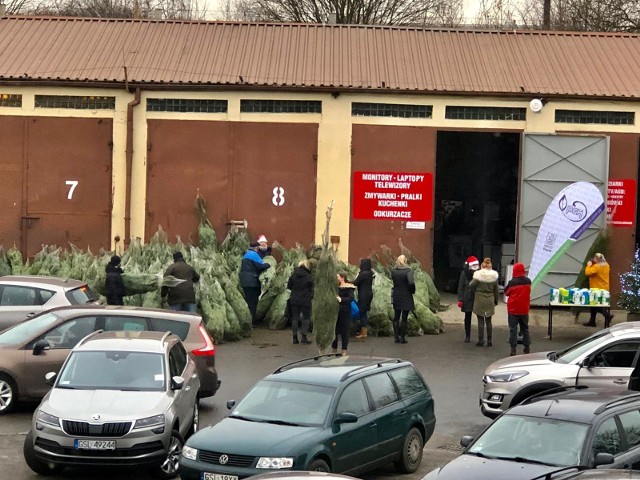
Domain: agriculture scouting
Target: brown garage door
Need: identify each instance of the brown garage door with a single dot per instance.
(262, 172)
(391, 149)
(64, 194)
(11, 167)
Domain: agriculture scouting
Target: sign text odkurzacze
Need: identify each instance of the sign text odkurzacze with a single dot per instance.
(393, 196)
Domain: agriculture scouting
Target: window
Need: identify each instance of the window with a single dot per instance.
(23, 332)
(353, 400)
(485, 113)
(68, 334)
(186, 105)
(381, 389)
(620, 355)
(10, 100)
(390, 110)
(45, 295)
(408, 381)
(601, 117)
(13, 296)
(177, 360)
(181, 329)
(75, 102)
(631, 426)
(280, 106)
(80, 296)
(125, 323)
(607, 438)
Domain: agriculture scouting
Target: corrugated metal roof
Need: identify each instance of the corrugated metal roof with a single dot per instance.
(396, 59)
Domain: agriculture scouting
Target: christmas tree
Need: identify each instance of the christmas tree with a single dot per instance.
(630, 285)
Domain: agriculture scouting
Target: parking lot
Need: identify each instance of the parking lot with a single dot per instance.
(452, 369)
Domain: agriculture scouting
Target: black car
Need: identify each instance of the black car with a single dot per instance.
(585, 428)
(330, 413)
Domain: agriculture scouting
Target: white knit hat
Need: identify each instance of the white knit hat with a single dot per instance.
(262, 238)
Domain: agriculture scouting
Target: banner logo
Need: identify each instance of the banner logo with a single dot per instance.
(576, 212)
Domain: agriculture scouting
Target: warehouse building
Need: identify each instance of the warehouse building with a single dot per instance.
(454, 141)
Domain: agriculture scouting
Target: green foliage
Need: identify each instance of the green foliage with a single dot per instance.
(324, 310)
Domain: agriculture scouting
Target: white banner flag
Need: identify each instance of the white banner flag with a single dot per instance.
(569, 215)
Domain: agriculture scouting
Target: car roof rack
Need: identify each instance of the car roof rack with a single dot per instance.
(617, 402)
(83, 340)
(378, 364)
(306, 360)
(552, 390)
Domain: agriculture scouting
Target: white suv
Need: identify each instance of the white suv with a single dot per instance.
(605, 359)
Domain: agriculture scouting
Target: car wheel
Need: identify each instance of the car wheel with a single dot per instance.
(319, 465)
(169, 467)
(35, 464)
(195, 423)
(8, 394)
(411, 452)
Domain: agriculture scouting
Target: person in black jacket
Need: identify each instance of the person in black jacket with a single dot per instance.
(364, 283)
(301, 285)
(345, 297)
(250, 268)
(466, 294)
(404, 287)
(114, 283)
(182, 297)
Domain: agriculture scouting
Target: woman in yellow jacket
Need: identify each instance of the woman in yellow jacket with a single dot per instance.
(597, 270)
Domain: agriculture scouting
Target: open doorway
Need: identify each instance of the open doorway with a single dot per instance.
(476, 192)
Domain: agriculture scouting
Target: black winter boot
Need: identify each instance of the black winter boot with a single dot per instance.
(305, 340)
(295, 339)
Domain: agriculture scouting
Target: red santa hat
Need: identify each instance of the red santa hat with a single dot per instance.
(472, 261)
(262, 238)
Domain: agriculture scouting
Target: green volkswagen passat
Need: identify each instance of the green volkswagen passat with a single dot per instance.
(328, 413)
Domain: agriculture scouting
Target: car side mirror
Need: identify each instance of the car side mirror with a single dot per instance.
(586, 363)
(40, 346)
(177, 383)
(603, 459)
(50, 378)
(231, 404)
(347, 417)
(466, 441)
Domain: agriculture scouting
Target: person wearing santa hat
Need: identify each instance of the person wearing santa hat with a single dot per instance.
(466, 294)
(264, 249)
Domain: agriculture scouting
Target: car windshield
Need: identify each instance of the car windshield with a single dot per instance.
(114, 370)
(575, 351)
(25, 331)
(532, 439)
(285, 402)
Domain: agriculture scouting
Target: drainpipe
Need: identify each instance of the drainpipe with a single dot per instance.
(129, 158)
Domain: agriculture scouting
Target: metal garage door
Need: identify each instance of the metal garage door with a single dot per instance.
(391, 149)
(550, 163)
(60, 179)
(262, 172)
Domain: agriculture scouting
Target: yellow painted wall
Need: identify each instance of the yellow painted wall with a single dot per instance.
(334, 136)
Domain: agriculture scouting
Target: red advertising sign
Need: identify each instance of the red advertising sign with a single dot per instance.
(621, 202)
(393, 196)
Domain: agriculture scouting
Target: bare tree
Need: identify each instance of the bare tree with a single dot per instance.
(372, 12)
(579, 15)
(168, 9)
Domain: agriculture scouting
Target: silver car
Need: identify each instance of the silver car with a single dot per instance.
(121, 398)
(605, 359)
(26, 296)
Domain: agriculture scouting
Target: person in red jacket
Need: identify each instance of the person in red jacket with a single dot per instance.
(518, 291)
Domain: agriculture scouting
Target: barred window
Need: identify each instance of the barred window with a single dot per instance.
(10, 100)
(280, 106)
(599, 117)
(75, 102)
(486, 113)
(186, 105)
(391, 110)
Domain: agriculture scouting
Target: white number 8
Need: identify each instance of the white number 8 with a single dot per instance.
(72, 186)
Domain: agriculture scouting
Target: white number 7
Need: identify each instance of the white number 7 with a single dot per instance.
(72, 186)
